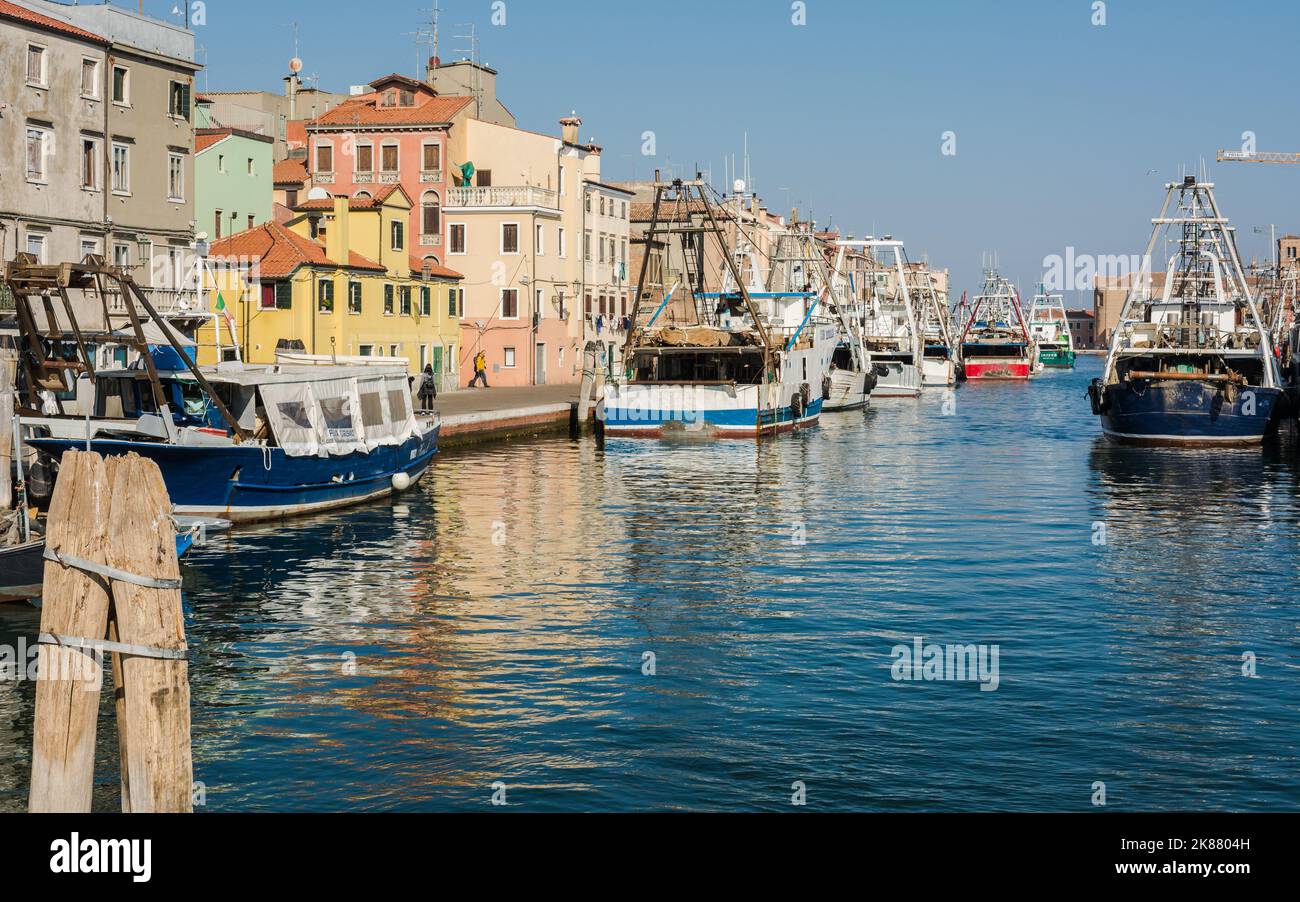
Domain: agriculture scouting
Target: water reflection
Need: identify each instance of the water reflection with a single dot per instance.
(494, 625)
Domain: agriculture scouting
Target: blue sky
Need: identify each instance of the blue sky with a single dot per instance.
(1058, 122)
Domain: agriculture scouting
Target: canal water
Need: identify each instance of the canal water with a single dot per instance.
(713, 627)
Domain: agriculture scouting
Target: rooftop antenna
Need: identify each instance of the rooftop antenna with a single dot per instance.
(204, 50)
(471, 52)
(425, 37)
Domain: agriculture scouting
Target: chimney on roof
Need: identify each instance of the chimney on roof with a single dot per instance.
(431, 71)
(569, 127)
(338, 236)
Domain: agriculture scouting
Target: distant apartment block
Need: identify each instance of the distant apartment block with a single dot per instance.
(98, 156)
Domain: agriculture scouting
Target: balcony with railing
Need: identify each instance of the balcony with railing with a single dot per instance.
(502, 196)
(430, 176)
(167, 301)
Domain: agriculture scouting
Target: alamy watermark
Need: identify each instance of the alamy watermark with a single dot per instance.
(1073, 271)
(920, 662)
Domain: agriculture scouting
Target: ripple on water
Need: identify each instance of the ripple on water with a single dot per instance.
(394, 657)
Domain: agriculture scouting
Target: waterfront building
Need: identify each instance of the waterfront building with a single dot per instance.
(395, 133)
(1083, 326)
(97, 105)
(232, 180)
(338, 280)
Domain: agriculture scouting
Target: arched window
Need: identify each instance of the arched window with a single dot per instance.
(364, 195)
(431, 213)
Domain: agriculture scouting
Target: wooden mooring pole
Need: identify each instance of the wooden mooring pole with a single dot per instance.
(115, 588)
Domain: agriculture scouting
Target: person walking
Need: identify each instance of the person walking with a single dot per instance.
(480, 370)
(428, 388)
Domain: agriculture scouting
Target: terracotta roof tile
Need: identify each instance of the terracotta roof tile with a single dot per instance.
(281, 252)
(203, 142)
(290, 172)
(436, 269)
(365, 110)
(14, 11)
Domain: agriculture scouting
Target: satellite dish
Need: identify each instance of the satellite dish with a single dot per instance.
(738, 186)
(318, 194)
(295, 65)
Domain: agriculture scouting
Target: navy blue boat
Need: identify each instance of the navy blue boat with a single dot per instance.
(1191, 360)
(318, 437)
(236, 441)
(1188, 412)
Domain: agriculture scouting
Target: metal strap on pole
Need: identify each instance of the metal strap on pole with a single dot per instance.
(122, 648)
(112, 573)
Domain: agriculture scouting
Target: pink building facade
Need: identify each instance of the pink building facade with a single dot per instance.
(395, 134)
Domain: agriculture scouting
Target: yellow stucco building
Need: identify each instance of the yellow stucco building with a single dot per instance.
(337, 279)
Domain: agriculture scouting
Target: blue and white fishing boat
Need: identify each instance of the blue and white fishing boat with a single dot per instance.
(236, 441)
(891, 331)
(1191, 362)
(731, 364)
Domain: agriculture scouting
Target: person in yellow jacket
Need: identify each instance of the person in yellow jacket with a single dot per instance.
(480, 370)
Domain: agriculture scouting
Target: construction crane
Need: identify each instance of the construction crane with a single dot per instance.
(1244, 156)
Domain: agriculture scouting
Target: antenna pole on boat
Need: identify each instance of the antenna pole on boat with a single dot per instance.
(1134, 287)
(1266, 342)
(645, 265)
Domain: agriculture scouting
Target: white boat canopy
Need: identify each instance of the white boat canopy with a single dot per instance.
(340, 416)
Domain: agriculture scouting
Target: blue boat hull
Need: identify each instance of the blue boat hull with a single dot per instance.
(250, 484)
(1189, 413)
(728, 423)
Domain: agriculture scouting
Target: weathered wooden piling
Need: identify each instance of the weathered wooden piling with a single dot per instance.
(155, 690)
(75, 604)
(115, 586)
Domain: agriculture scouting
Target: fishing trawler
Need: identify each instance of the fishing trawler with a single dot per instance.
(995, 342)
(938, 366)
(237, 441)
(1190, 363)
(799, 263)
(727, 365)
(1049, 327)
(891, 332)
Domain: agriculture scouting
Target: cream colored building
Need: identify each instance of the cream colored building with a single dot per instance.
(518, 236)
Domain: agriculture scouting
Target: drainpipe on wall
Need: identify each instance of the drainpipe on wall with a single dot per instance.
(534, 321)
(109, 61)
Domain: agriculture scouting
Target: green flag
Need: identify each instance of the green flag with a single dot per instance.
(467, 173)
